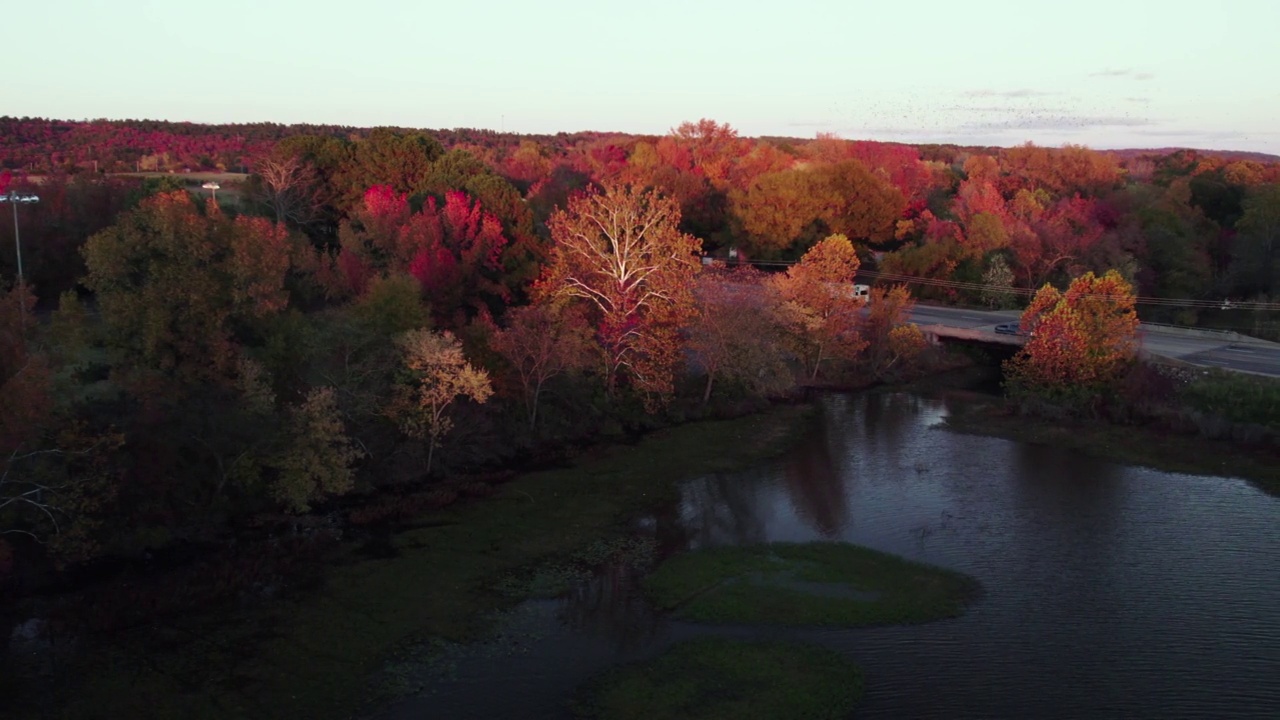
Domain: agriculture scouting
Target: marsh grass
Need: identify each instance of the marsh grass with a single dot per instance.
(831, 584)
(317, 655)
(719, 679)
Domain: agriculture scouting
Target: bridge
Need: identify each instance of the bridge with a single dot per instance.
(1206, 348)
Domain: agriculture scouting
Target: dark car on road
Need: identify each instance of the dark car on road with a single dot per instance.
(1009, 328)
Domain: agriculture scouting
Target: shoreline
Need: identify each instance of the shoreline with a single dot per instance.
(1140, 445)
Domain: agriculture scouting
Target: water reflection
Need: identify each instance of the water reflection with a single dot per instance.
(815, 483)
(720, 510)
(609, 607)
(1110, 591)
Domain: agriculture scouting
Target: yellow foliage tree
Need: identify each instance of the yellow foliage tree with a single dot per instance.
(440, 375)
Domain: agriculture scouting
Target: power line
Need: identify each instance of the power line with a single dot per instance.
(962, 285)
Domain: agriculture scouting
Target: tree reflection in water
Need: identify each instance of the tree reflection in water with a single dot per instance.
(724, 509)
(814, 474)
(610, 606)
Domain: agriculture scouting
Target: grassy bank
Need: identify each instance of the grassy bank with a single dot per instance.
(806, 584)
(311, 657)
(717, 679)
(1128, 444)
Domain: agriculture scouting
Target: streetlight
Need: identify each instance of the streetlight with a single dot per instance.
(215, 187)
(14, 198)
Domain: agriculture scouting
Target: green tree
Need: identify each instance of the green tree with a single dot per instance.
(1255, 263)
(174, 287)
(400, 160)
(316, 457)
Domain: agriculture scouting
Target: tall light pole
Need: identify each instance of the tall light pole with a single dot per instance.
(15, 198)
(214, 187)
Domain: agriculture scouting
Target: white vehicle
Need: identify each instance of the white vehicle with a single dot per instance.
(862, 291)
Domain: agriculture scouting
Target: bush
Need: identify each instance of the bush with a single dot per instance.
(1236, 397)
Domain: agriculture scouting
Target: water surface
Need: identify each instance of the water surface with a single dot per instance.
(1110, 591)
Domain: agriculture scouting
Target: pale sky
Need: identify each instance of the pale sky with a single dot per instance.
(1112, 73)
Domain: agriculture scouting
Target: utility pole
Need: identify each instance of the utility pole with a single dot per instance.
(13, 198)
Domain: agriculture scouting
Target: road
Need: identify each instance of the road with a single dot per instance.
(1206, 348)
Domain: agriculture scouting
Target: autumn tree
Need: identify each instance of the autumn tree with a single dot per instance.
(174, 286)
(1080, 340)
(1053, 235)
(893, 342)
(289, 187)
(796, 207)
(541, 342)
(1060, 171)
(777, 210)
(454, 249)
(457, 253)
(737, 335)
(818, 304)
(998, 280)
(439, 374)
(621, 254)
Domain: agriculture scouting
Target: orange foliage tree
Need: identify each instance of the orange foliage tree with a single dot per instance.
(621, 254)
(793, 207)
(818, 304)
(1080, 340)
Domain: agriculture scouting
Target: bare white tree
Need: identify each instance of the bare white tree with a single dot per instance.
(289, 188)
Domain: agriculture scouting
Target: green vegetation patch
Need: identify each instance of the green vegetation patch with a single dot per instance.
(1237, 397)
(713, 678)
(314, 656)
(832, 584)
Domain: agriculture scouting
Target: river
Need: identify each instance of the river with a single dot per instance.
(1109, 591)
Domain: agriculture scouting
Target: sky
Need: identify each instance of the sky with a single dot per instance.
(1118, 73)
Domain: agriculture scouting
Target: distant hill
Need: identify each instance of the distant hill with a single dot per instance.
(39, 144)
(1226, 154)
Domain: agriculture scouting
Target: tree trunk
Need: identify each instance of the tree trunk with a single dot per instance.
(533, 406)
(817, 363)
(706, 394)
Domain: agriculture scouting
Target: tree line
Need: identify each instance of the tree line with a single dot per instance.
(386, 308)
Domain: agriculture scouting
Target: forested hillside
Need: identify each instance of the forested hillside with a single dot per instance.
(369, 311)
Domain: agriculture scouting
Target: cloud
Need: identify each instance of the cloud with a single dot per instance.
(1123, 72)
(1198, 134)
(810, 123)
(1020, 93)
(1067, 123)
